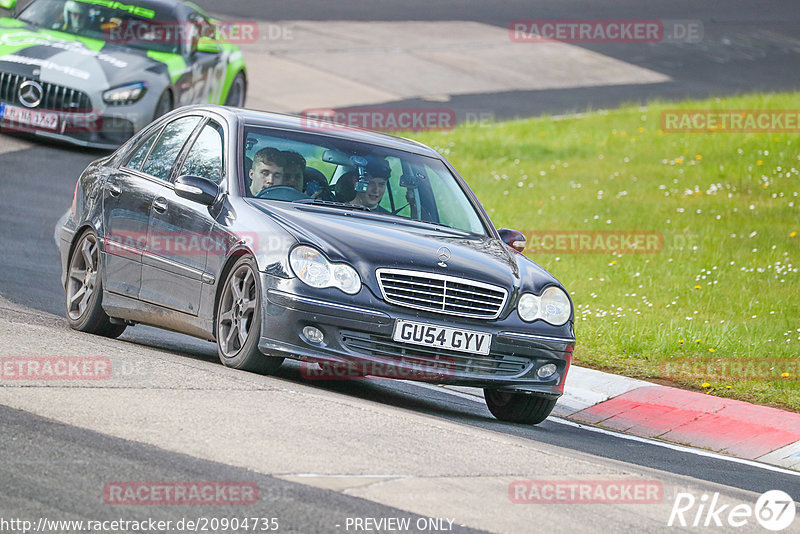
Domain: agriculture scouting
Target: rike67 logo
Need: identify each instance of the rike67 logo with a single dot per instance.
(774, 510)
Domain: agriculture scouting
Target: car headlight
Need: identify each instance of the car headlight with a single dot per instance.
(552, 306)
(528, 307)
(314, 269)
(125, 94)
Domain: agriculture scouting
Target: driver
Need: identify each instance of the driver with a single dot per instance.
(267, 170)
(76, 16)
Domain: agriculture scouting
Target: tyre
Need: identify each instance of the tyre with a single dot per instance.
(237, 93)
(238, 321)
(514, 407)
(85, 289)
(164, 105)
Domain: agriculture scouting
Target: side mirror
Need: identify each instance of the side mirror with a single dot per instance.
(207, 45)
(513, 238)
(197, 189)
(8, 4)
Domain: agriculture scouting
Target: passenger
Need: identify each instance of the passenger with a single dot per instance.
(378, 172)
(372, 197)
(294, 166)
(268, 165)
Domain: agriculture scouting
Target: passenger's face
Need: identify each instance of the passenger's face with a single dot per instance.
(293, 177)
(374, 193)
(263, 175)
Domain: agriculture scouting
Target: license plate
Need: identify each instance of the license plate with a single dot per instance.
(442, 337)
(30, 117)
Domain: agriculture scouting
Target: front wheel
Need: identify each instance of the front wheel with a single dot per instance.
(85, 290)
(515, 407)
(238, 321)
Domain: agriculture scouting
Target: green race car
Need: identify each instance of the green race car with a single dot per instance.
(94, 72)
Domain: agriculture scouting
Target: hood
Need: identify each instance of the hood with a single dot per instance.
(68, 60)
(369, 241)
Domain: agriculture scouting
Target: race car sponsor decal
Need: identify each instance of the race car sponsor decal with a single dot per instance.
(24, 39)
(47, 64)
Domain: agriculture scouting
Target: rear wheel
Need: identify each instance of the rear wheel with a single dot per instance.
(238, 321)
(515, 407)
(237, 93)
(85, 289)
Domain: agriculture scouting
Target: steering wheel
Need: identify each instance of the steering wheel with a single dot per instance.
(281, 192)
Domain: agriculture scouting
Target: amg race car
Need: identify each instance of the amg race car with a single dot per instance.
(95, 72)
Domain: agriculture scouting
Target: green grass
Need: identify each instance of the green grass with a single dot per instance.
(727, 205)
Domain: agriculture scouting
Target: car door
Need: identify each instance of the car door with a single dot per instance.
(128, 196)
(180, 230)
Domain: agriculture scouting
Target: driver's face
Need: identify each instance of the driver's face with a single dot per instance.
(263, 175)
(76, 20)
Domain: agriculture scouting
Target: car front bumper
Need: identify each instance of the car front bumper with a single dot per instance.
(358, 341)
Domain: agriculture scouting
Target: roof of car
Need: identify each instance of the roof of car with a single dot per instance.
(301, 124)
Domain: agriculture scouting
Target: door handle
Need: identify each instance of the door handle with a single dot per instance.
(114, 189)
(160, 205)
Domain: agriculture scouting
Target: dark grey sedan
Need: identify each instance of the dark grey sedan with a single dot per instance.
(356, 253)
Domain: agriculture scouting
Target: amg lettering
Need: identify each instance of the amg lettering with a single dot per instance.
(133, 10)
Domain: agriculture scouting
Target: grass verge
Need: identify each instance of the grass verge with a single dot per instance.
(715, 306)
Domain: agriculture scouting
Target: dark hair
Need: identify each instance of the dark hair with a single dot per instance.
(293, 159)
(270, 155)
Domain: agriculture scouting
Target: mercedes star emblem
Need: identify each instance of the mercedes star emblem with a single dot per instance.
(444, 256)
(30, 94)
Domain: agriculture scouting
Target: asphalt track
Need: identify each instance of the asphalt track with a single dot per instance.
(747, 46)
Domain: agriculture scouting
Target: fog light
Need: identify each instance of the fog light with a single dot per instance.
(546, 370)
(313, 334)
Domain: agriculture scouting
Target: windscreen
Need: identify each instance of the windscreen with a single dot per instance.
(342, 174)
(124, 24)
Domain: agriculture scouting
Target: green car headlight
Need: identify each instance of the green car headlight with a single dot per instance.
(125, 94)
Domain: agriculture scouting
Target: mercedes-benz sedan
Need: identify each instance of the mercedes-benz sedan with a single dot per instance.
(356, 253)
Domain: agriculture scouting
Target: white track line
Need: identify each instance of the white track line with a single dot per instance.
(649, 441)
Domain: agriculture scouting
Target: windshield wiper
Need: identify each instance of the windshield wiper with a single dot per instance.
(331, 203)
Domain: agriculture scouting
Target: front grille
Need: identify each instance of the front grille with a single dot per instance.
(386, 348)
(54, 97)
(441, 293)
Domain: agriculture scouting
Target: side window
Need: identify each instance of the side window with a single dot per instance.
(135, 162)
(205, 157)
(452, 211)
(168, 146)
